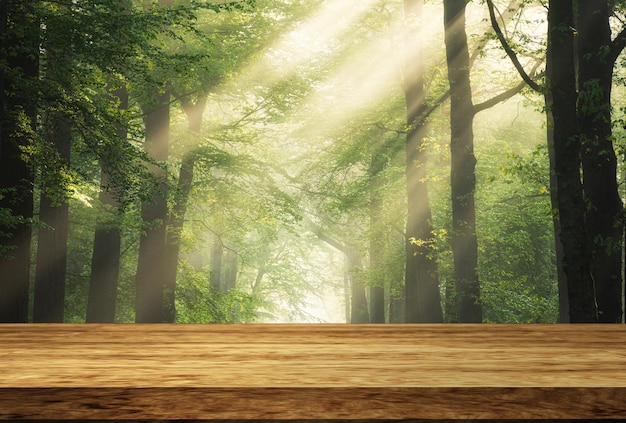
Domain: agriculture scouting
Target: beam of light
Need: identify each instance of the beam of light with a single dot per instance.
(313, 37)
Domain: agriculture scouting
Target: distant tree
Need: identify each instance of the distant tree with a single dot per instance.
(358, 301)
(423, 299)
(376, 236)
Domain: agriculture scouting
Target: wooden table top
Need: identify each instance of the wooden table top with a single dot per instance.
(222, 372)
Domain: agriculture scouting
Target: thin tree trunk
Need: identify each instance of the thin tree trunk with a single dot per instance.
(176, 217)
(215, 276)
(604, 205)
(561, 96)
(358, 300)
(376, 240)
(463, 163)
(230, 271)
(105, 259)
(16, 176)
(422, 296)
(358, 310)
(49, 292)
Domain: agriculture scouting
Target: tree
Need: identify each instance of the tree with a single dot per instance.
(596, 56)
(463, 162)
(596, 202)
(358, 301)
(377, 246)
(20, 49)
(50, 273)
(150, 270)
(423, 300)
(561, 100)
(105, 260)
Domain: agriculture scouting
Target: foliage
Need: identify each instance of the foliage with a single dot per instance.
(517, 263)
(198, 303)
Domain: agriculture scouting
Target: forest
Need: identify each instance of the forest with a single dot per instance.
(371, 161)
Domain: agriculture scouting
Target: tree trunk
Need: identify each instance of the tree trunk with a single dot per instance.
(463, 163)
(49, 293)
(376, 239)
(556, 223)
(358, 310)
(105, 260)
(604, 205)
(561, 96)
(176, 221)
(3, 42)
(358, 300)
(422, 296)
(215, 276)
(16, 177)
(230, 271)
(150, 277)
(176, 217)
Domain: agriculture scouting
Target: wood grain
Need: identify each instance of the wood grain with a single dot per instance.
(291, 372)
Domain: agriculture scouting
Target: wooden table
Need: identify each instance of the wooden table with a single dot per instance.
(323, 372)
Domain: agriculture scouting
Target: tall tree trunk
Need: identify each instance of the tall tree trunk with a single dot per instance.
(463, 163)
(176, 217)
(376, 239)
(3, 42)
(49, 293)
(604, 205)
(19, 99)
(150, 277)
(561, 98)
(423, 299)
(105, 259)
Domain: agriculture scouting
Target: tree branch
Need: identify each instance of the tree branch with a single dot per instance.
(617, 46)
(504, 95)
(520, 69)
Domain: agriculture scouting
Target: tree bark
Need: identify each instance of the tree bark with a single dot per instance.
(16, 177)
(604, 209)
(423, 299)
(561, 98)
(556, 223)
(105, 259)
(230, 271)
(150, 277)
(176, 218)
(463, 163)
(215, 276)
(49, 292)
(376, 247)
(358, 309)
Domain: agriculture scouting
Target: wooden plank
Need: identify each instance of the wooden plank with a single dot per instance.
(324, 372)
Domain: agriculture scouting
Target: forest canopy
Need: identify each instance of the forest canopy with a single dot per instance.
(379, 161)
